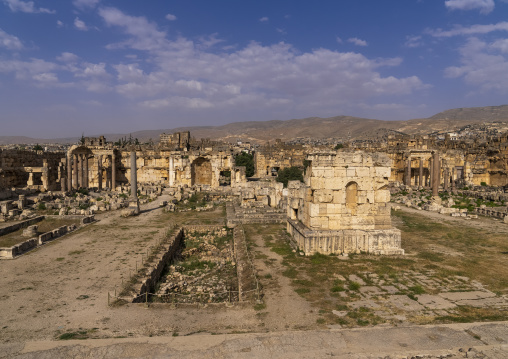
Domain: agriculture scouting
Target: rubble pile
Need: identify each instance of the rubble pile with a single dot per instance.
(204, 271)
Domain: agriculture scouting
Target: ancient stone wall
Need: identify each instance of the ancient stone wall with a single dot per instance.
(343, 205)
(37, 170)
(269, 159)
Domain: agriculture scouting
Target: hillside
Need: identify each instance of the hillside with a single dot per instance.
(339, 127)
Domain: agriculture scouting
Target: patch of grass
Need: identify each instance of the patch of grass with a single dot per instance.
(417, 289)
(259, 306)
(290, 273)
(59, 259)
(73, 335)
(431, 256)
(76, 252)
(302, 290)
(304, 283)
(354, 286)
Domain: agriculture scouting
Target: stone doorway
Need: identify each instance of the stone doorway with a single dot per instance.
(201, 172)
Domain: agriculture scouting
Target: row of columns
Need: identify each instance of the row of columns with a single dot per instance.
(435, 174)
(77, 171)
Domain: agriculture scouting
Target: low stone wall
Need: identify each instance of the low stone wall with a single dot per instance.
(31, 243)
(17, 226)
(386, 241)
(155, 270)
(202, 228)
(253, 215)
(491, 212)
(248, 286)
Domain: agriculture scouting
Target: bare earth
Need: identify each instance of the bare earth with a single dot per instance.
(63, 287)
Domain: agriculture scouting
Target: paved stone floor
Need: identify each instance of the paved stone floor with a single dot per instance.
(473, 340)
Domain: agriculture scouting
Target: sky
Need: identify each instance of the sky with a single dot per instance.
(93, 67)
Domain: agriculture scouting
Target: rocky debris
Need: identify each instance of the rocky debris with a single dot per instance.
(204, 270)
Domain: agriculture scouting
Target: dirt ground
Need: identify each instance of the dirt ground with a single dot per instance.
(62, 287)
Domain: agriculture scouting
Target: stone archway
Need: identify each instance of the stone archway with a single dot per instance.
(201, 172)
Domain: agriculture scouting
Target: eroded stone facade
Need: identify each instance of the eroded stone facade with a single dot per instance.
(343, 205)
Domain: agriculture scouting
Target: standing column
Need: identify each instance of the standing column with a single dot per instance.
(75, 174)
(435, 175)
(408, 171)
(63, 180)
(171, 172)
(446, 179)
(99, 172)
(85, 171)
(420, 174)
(80, 171)
(69, 172)
(454, 189)
(133, 201)
(134, 176)
(113, 172)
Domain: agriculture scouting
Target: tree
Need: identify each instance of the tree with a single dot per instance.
(82, 139)
(338, 146)
(289, 174)
(247, 160)
(37, 147)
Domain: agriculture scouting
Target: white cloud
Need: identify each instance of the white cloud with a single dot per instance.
(482, 65)
(413, 41)
(185, 74)
(67, 57)
(471, 30)
(10, 42)
(26, 7)
(27, 69)
(357, 41)
(93, 70)
(206, 42)
(263, 19)
(145, 35)
(485, 6)
(85, 4)
(339, 40)
(59, 23)
(501, 45)
(171, 17)
(80, 25)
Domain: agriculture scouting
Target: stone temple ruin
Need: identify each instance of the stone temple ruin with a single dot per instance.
(343, 205)
(341, 208)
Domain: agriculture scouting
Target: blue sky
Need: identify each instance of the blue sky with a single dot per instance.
(99, 66)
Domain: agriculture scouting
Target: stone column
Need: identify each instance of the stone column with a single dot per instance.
(454, 189)
(420, 174)
(80, 170)
(446, 179)
(69, 172)
(171, 172)
(99, 171)
(75, 174)
(133, 200)
(113, 171)
(431, 171)
(85, 171)
(63, 180)
(408, 171)
(30, 181)
(435, 175)
(134, 176)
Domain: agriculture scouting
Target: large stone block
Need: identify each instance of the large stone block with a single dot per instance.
(323, 196)
(382, 196)
(363, 172)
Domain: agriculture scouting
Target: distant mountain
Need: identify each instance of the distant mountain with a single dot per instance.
(340, 127)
